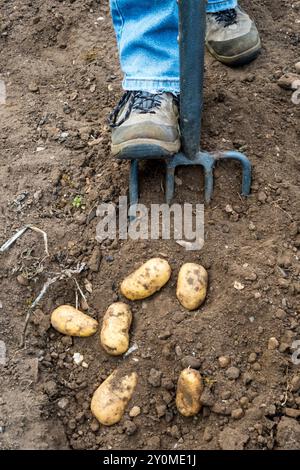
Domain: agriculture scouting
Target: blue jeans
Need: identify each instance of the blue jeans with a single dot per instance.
(147, 33)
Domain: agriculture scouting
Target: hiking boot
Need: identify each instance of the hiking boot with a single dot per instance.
(145, 125)
(232, 37)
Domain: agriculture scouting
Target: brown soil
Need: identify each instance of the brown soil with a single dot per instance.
(60, 66)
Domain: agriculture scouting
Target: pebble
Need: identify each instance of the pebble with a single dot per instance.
(63, 403)
(33, 87)
(244, 402)
(295, 383)
(94, 425)
(262, 197)
(247, 378)
(226, 395)
(252, 358)
(238, 413)
(134, 412)
(165, 335)
(256, 366)
(207, 435)
(22, 280)
(191, 361)
(129, 427)
(297, 67)
(154, 378)
(287, 81)
(161, 410)
(292, 413)
(224, 361)
(95, 260)
(273, 344)
(233, 373)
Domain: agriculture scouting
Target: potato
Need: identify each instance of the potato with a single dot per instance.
(189, 391)
(114, 335)
(70, 321)
(111, 398)
(192, 285)
(147, 279)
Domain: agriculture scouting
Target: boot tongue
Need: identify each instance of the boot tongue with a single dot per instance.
(228, 17)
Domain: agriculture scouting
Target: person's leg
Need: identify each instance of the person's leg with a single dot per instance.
(231, 36)
(147, 32)
(146, 119)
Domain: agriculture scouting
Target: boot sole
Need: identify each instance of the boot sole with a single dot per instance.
(145, 149)
(240, 59)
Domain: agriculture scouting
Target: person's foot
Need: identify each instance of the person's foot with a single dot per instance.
(232, 37)
(145, 125)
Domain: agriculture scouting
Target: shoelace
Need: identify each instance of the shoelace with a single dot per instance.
(141, 101)
(228, 17)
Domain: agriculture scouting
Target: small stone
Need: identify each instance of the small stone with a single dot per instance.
(63, 403)
(238, 413)
(280, 314)
(33, 87)
(165, 335)
(288, 81)
(94, 425)
(207, 398)
(134, 412)
(95, 260)
(247, 378)
(129, 427)
(224, 361)
(273, 344)
(226, 395)
(178, 351)
(238, 285)
(292, 413)
(67, 340)
(252, 358)
(262, 197)
(233, 373)
(207, 435)
(256, 366)
(161, 410)
(191, 361)
(154, 378)
(295, 383)
(297, 67)
(22, 280)
(244, 402)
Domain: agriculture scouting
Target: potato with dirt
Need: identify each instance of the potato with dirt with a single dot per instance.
(114, 334)
(189, 391)
(71, 322)
(192, 285)
(146, 280)
(112, 396)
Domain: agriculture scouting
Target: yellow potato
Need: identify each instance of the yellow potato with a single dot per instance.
(147, 279)
(69, 321)
(114, 335)
(111, 398)
(192, 285)
(189, 390)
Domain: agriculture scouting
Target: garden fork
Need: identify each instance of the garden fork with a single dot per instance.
(192, 23)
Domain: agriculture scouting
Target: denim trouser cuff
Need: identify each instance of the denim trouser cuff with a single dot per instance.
(154, 85)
